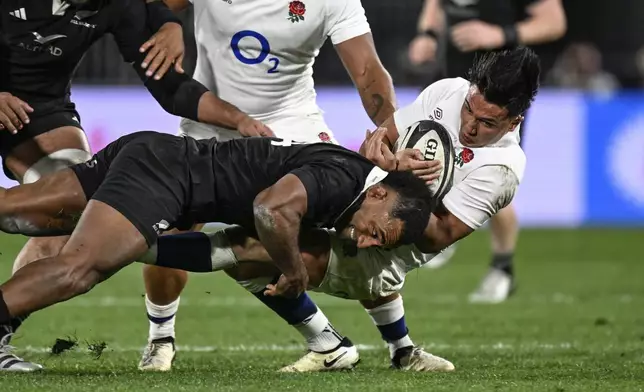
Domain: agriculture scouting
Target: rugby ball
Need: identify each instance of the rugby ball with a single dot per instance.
(435, 143)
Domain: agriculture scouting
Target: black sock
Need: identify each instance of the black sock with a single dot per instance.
(503, 262)
(187, 251)
(5, 317)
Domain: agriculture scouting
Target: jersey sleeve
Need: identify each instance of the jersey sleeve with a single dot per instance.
(417, 110)
(330, 190)
(481, 194)
(346, 19)
(130, 29)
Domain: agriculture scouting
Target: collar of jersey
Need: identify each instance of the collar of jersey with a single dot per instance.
(375, 176)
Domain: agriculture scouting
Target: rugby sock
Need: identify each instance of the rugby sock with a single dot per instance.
(5, 316)
(503, 262)
(195, 252)
(390, 320)
(162, 318)
(304, 316)
(6, 330)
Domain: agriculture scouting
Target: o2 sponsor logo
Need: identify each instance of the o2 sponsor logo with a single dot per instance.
(263, 54)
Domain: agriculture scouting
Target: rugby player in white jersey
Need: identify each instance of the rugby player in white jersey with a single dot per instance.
(259, 55)
(482, 115)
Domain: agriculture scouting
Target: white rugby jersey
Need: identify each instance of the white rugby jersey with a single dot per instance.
(486, 178)
(259, 54)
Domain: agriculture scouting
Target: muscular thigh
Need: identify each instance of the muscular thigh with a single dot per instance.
(47, 152)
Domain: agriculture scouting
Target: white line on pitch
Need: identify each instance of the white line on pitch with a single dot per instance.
(294, 347)
(249, 301)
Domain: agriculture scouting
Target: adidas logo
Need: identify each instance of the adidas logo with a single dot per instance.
(20, 14)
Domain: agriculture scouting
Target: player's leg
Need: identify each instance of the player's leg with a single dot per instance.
(163, 287)
(103, 242)
(498, 283)
(388, 314)
(328, 349)
(61, 145)
(231, 250)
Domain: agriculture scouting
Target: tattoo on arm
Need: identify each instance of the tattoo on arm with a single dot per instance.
(377, 102)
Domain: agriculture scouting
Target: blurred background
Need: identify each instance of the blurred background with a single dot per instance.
(585, 135)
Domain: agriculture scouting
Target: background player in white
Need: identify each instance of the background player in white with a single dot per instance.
(259, 55)
(451, 32)
(483, 117)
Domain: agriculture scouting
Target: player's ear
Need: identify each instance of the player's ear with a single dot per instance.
(515, 122)
(377, 192)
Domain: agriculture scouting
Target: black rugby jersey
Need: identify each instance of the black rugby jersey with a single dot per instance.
(43, 42)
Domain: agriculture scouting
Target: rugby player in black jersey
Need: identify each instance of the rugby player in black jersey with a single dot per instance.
(41, 44)
(116, 204)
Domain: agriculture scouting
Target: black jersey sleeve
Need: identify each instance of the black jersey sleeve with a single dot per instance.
(330, 189)
(159, 14)
(178, 94)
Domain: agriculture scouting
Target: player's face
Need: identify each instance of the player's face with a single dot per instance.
(483, 123)
(373, 224)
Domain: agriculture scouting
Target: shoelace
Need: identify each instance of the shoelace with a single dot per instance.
(151, 351)
(7, 348)
(4, 343)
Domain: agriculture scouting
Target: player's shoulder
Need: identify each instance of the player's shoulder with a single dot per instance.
(493, 163)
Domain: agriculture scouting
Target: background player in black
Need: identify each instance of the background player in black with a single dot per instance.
(42, 42)
(458, 29)
(258, 183)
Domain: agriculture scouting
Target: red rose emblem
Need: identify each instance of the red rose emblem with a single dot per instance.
(324, 137)
(296, 10)
(467, 155)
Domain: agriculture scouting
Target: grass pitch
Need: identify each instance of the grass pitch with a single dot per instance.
(575, 324)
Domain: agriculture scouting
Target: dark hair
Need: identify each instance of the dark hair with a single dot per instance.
(508, 78)
(413, 206)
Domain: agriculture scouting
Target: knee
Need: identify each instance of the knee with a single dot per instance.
(78, 274)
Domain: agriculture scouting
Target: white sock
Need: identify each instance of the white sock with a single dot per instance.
(167, 313)
(389, 319)
(319, 333)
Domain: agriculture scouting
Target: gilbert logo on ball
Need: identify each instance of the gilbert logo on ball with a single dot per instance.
(435, 143)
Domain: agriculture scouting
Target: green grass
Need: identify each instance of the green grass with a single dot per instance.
(575, 324)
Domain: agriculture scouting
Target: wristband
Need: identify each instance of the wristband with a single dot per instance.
(511, 36)
(429, 33)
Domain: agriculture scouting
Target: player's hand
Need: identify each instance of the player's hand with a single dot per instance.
(476, 35)
(13, 112)
(164, 48)
(422, 49)
(290, 287)
(251, 127)
(411, 159)
(377, 151)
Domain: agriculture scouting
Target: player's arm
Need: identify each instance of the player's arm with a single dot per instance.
(468, 205)
(348, 28)
(370, 77)
(398, 123)
(177, 93)
(177, 5)
(278, 214)
(546, 23)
